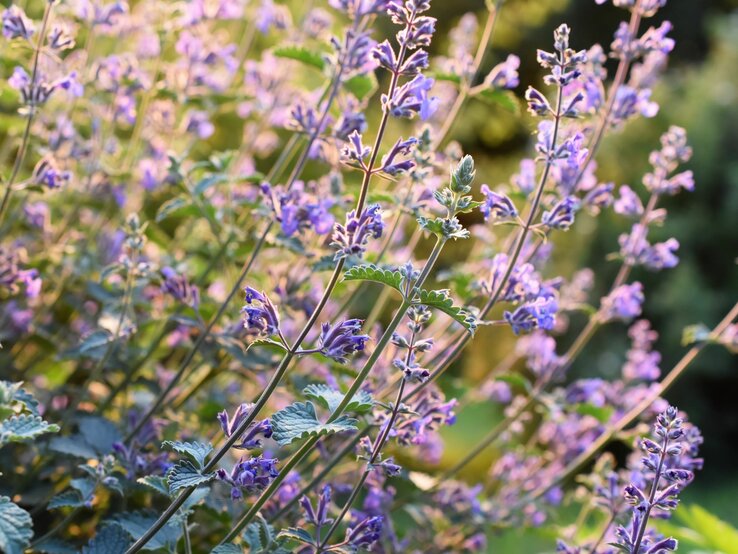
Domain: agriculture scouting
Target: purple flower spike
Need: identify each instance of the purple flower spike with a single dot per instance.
(561, 216)
(352, 238)
(261, 315)
(181, 289)
(541, 313)
(497, 206)
(251, 437)
(623, 303)
(16, 24)
(505, 74)
(250, 476)
(366, 533)
(343, 340)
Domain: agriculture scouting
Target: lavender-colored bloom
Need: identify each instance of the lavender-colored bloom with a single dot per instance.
(352, 238)
(505, 74)
(297, 210)
(365, 534)
(390, 165)
(250, 438)
(629, 102)
(539, 314)
(250, 476)
(343, 340)
(37, 214)
(318, 516)
(497, 206)
(260, 314)
(525, 179)
(561, 216)
(635, 249)
(623, 303)
(628, 204)
(16, 24)
(198, 123)
(60, 38)
(412, 98)
(180, 288)
(668, 465)
(642, 362)
(354, 152)
(537, 102)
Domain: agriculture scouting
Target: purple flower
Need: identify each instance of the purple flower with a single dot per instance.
(250, 476)
(365, 534)
(181, 289)
(642, 362)
(261, 315)
(628, 204)
(667, 467)
(16, 24)
(319, 515)
(561, 216)
(352, 238)
(251, 437)
(400, 148)
(412, 98)
(199, 124)
(505, 74)
(496, 205)
(343, 340)
(539, 314)
(622, 303)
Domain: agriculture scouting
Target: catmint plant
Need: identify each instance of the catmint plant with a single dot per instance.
(169, 161)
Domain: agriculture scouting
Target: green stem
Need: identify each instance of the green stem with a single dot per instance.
(21, 155)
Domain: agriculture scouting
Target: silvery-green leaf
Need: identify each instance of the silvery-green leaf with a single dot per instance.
(16, 527)
(198, 451)
(330, 398)
(300, 421)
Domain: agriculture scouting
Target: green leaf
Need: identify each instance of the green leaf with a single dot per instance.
(159, 484)
(53, 545)
(503, 98)
(440, 300)
(267, 343)
(99, 433)
(370, 272)
(171, 206)
(301, 54)
(198, 451)
(24, 427)
(16, 527)
(702, 530)
(137, 523)
(600, 413)
(296, 534)
(10, 393)
(330, 398)
(299, 421)
(227, 548)
(695, 333)
(449, 77)
(73, 446)
(514, 379)
(92, 346)
(259, 535)
(111, 539)
(66, 499)
(361, 86)
(184, 475)
(209, 181)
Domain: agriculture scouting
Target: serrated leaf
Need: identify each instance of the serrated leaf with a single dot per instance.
(73, 446)
(16, 527)
(211, 180)
(361, 86)
(300, 54)
(259, 535)
(503, 98)
(370, 272)
(267, 343)
(135, 524)
(184, 475)
(330, 398)
(99, 433)
(111, 539)
(159, 484)
(171, 206)
(299, 421)
(53, 545)
(227, 548)
(440, 300)
(198, 451)
(296, 534)
(11, 393)
(24, 427)
(66, 499)
(92, 346)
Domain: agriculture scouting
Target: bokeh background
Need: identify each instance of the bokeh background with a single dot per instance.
(700, 93)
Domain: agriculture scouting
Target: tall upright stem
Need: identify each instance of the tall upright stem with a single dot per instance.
(21, 154)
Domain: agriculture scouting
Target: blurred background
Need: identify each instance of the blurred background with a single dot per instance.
(700, 93)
